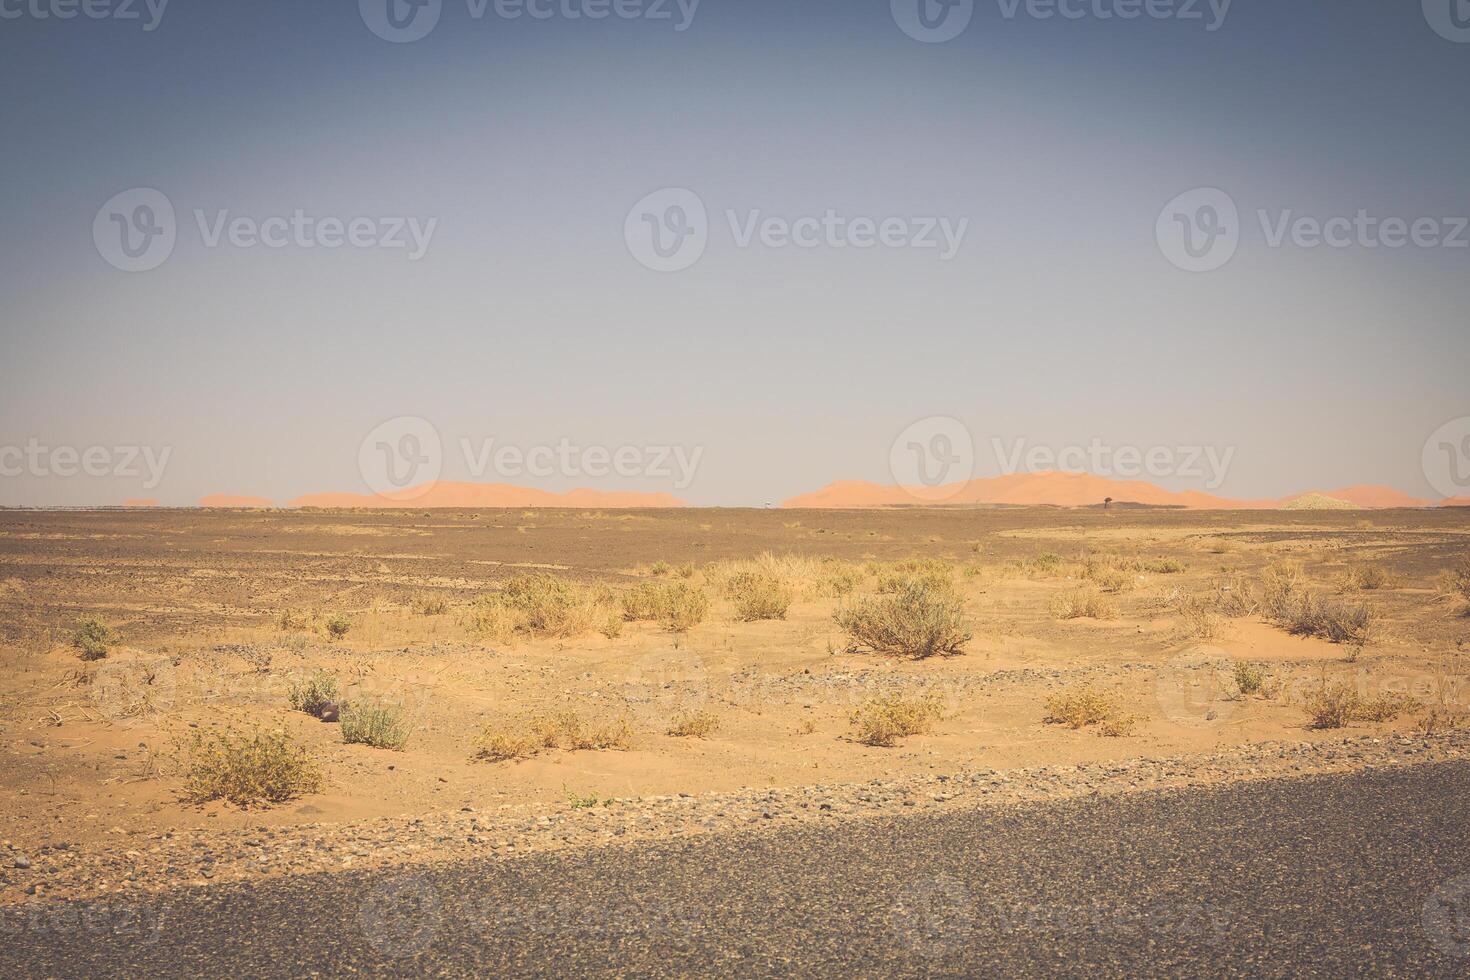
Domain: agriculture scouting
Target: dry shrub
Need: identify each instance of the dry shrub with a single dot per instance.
(882, 721)
(1249, 678)
(562, 730)
(1286, 601)
(1219, 546)
(542, 605)
(894, 577)
(1367, 578)
(1460, 582)
(430, 606)
(1439, 720)
(1235, 595)
(263, 768)
(680, 606)
(920, 621)
(1080, 707)
(1339, 705)
(311, 694)
(338, 626)
(1196, 617)
(1282, 586)
(296, 620)
(693, 724)
(759, 597)
(1083, 604)
(381, 726)
(92, 638)
(812, 578)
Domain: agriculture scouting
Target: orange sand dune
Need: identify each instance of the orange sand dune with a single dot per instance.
(1455, 502)
(1059, 489)
(226, 500)
(448, 494)
(140, 502)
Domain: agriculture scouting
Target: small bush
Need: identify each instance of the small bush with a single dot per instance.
(313, 693)
(93, 638)
(1339, 705)
(685, 607)
(884, 720)
(759, 597)
(1196, 618)
(920, 621)
(1249, 679)
(694, 724)
(661, 568)
(612, 627)
(1334, 620)
(563, 730)
(497, 745)
(381, 726)
(1083, 603)
(1460, 583)
(338, 626)
(542, 605)
(260, 769)
(1368, 578)
(292, 620)
(1163, 566)
(1080, 707)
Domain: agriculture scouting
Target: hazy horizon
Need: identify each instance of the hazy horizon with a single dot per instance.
(517, 151)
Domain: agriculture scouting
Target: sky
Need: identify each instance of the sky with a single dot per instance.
(869, 238)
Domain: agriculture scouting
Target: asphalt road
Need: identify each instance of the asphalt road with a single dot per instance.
(1327, 876)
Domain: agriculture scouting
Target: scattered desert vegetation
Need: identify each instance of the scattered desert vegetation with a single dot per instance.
(922, 620)
(758, 597)
(258, 769)
(313, 693)
(1081, 707)
(1337, 705)
(693, 724)
(1367, 578)
(92, 638)
(542, 605)
(563, 730)
(678, 606)
(882, 721)
(1083, 603)
(1249, 678)
(381, 726)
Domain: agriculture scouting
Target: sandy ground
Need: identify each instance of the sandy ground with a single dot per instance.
(92, 752)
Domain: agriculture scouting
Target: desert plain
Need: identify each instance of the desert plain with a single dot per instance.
(1072, 637)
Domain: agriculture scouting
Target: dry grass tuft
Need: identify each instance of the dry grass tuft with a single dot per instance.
(1249, 678)
(694, 724)
(381, 726)
(260, 769)
(1080, 707)
(1367, 578)
(758, 597)
(680, 606)
(1339, 705)
(563, 730)
(311, 694)
(920, 621)
(882, 721)
(430, 605)
(542, 605)
(1083, 604)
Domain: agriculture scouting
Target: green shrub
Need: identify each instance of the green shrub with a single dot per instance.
(313, 693)
(920, 621)
(93, 638)
(381, 726)
(338, 626)
(1249, 679)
